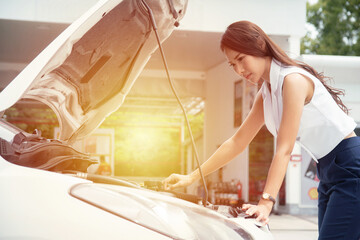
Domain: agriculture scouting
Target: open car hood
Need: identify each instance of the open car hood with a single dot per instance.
(86, 72)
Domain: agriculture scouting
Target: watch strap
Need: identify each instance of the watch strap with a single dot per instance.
(267, 196)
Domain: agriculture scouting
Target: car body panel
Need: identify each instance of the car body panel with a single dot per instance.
(86, 72)
(36, 204)
(40, 204)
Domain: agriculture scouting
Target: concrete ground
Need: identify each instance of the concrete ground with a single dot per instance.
(294, 227)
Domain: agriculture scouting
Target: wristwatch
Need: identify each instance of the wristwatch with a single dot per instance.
(267, 196)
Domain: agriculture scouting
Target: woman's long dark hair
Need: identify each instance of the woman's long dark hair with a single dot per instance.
(248, 38)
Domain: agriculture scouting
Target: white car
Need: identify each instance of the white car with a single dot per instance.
(83, 76)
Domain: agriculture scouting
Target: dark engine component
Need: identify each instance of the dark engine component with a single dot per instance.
(35, 151)
(158, 186)
(230, 212)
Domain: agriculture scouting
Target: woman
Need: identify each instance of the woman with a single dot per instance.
(296, 105)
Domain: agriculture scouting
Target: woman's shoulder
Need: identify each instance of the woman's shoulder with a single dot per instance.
(297, 72)
(286, 70)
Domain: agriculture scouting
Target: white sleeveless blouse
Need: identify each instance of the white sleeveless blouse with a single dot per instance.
(323, 124)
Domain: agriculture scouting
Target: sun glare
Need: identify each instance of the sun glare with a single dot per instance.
(144, 136)
(147, 151)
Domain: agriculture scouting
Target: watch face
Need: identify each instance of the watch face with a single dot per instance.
(265, 195)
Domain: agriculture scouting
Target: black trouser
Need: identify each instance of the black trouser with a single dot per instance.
(339, 192)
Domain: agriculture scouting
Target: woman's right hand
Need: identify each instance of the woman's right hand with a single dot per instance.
(177, 180)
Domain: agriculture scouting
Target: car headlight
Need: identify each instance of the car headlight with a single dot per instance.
(163, 216)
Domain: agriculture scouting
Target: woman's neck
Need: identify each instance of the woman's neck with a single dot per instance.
(266, 74)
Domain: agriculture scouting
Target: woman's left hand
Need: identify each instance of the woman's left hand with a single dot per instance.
(261, 211)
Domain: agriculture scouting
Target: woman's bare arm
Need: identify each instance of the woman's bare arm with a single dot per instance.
(238, 142)
(228, 150)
